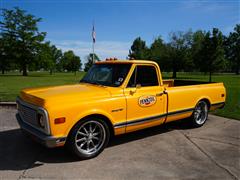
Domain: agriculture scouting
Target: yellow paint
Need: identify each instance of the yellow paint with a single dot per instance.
(120, 104)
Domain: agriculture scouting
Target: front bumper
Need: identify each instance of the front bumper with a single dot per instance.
(46, 140)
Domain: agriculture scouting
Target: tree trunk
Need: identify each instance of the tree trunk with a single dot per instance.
(51, 71)
(3, 71)
(174, 75)
(24, 70)
(210, 76)
(237, 72)
(237, 68)
(75, 73)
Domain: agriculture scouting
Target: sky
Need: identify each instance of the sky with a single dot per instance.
(68, 23)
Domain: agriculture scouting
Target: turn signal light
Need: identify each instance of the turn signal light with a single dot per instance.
(60, 120)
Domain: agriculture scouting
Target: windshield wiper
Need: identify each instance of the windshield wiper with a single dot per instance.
(91, 82)
(96, 83)
(84, 81)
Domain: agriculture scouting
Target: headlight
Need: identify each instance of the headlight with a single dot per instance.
(41, 121)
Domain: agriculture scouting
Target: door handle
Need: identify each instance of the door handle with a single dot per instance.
(133, 91)
(159, 94)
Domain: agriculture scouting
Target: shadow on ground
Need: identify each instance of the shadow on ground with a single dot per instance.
(18, 152)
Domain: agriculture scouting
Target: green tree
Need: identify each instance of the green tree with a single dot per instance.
(157, 49)
(158, 53)
(89, 61)
(23, 36)
(4, 63)
(188, 63)
(6, 55)
(71, 62)
(56, 55)
(197, 45)
(43, 58)
(139, 50)
(48, 57)
(177, 51)
(233, 49)
(212, 52)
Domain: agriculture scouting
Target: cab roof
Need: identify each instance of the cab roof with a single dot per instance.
(127, 62)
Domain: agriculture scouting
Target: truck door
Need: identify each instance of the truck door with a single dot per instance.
(145, 99)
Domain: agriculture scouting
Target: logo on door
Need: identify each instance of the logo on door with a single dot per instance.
(146, 101)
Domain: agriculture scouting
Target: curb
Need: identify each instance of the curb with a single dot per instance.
(8, 104)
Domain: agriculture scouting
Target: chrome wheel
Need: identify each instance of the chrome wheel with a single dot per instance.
(200, 113)
(90, 137)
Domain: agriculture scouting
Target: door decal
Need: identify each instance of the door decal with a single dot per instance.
(146, 101)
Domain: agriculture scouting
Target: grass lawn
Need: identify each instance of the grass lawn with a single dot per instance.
(12, 83)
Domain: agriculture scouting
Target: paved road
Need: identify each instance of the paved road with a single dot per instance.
(166, 152)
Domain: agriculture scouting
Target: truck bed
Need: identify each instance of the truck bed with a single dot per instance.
(174, 83)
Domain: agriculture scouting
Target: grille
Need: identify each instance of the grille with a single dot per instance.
(28, 114)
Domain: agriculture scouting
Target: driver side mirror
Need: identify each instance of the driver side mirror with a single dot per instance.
(138, 86)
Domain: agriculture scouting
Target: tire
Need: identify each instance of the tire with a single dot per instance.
(88, 138)
(200, 114)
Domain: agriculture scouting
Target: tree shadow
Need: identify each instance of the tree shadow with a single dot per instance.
(29, 75)
(10, 75)
(18, 152)
(189, 77)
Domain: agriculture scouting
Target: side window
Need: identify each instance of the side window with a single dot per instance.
(145, 76)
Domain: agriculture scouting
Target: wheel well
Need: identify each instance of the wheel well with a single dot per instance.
(207, 101)
(100, 116)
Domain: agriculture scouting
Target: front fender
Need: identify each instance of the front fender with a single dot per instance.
(84, 114)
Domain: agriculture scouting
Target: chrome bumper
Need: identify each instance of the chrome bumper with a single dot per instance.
(46, 140)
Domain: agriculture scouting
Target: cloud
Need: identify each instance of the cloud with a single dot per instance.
(103, 49)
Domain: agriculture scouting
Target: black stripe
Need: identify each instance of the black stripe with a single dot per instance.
(216, 104)
(145, 119)
(152, 118)
(179, 112)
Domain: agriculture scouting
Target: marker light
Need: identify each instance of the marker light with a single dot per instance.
(60, 120)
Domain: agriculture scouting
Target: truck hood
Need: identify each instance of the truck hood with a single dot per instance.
(60, 94)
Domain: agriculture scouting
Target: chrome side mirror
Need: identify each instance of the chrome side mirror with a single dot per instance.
(134, 90)
(138, 86)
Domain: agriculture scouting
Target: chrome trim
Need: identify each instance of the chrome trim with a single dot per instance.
(39, 110)
(90, 137)
(117, 110)
(40, 137)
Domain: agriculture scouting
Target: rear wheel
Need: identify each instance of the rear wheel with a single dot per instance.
(200, 114)
(89, 138)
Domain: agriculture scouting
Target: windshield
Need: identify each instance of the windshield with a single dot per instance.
(107, 74)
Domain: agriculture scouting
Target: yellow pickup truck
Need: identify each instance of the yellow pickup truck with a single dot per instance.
(114, 97)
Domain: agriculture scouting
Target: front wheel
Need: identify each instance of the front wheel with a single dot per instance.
(200, 114)
(88, 138)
